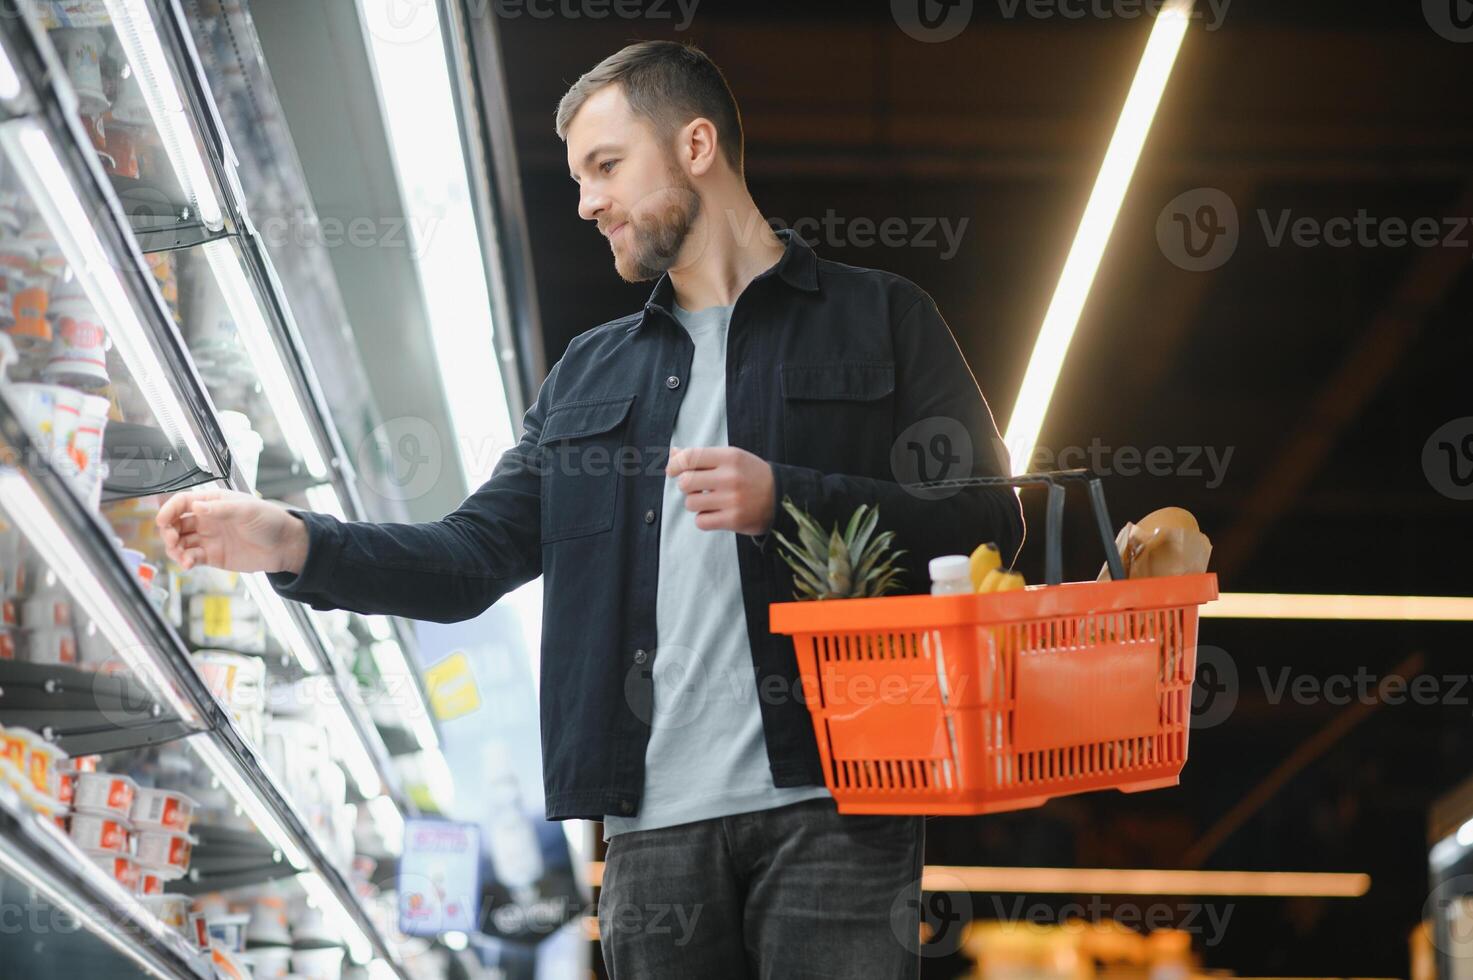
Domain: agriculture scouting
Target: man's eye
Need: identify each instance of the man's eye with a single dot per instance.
(607, 166)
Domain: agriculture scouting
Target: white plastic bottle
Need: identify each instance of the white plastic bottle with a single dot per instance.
(951, 575)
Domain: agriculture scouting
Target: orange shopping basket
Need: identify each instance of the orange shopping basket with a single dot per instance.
(968, 704)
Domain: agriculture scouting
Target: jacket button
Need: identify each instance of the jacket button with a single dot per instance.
(649, 517)
(640, 656)
(672, 382)
(626, 806)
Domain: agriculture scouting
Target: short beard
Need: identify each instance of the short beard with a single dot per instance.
(656, 243)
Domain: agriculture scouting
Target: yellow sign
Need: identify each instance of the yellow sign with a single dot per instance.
(452, 687)
(217, 616)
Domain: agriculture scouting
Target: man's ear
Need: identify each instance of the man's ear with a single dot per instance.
(696, 147)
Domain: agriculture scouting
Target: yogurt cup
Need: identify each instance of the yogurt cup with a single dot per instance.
(98, 833)
(229, 931)
(118, 867)
(163, 850)
(42, 765)
(171, 910)
(162, 809)
(151, 882)
(55, 645)
(106, 794)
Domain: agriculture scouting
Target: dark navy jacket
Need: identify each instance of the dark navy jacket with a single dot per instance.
(846, 380)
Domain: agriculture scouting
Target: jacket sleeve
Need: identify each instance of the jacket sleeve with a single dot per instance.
(443, 571)
(932, 380)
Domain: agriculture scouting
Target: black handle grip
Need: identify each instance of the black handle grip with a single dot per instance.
(1053, 533)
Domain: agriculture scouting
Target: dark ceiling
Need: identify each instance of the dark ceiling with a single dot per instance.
(1323, 369)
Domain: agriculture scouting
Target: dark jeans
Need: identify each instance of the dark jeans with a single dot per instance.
(794, 892)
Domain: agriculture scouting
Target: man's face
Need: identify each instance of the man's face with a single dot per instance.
(629, 183)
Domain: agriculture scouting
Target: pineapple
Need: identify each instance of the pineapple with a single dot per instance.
(854, 565)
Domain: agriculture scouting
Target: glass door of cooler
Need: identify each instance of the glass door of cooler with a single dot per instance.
(138, 115)
(97, 388)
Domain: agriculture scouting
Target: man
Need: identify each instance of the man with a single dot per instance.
(645, 486)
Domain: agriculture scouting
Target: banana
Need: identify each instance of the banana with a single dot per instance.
(991, 580)
(984, 560)
(1011, 581)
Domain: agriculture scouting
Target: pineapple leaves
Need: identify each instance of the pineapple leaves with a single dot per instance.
(855, 564)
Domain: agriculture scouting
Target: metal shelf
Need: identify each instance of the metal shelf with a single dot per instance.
(85, 713)
(40, 857)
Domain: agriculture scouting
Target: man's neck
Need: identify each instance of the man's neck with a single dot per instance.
(735, 244)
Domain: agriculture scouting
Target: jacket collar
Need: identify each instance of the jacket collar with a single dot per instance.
(798, 267)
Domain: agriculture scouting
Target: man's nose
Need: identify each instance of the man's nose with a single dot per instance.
(591, 204)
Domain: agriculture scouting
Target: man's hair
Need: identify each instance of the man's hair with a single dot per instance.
(669, 84)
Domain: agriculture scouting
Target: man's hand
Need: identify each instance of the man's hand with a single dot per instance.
(232, 530)
(728, 489)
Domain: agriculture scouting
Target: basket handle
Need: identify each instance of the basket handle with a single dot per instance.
(1053, 533)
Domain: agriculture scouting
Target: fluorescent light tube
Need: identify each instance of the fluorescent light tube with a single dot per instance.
(9, 79)
(323, 498)
(351, 751)
(424, 137)
(245, 794)
(260, 344)
(337, 915)
(1094, 231)
(48, 185)
(1133, 881)
(140, 40)
(75, 571)
(1401, 608)
(282, 623)
(401, 685)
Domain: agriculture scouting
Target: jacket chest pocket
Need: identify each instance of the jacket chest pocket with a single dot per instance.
(838, 416)
(581, 443)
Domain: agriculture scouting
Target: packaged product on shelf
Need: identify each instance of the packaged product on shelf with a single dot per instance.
(163, 809)
(171, 910)
(105, 794)
(81, 51)
(167, 278)
(268, 922)
(150, 882)
(118, 867)
(245, 443)
(238, 682)
(95, 833)
(54, 645)
(198, 931)
(231, 621)
(163, 851)
(228, 930)
(79, 346)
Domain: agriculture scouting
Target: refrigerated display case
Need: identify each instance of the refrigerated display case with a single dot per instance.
(237, 755)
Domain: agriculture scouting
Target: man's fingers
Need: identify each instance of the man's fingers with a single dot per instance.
(694, 481)
(693, 458)
(705, 503)
(183, 503)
